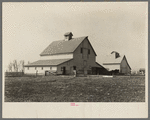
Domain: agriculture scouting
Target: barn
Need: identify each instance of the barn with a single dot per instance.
(117, 62)
(65, 56)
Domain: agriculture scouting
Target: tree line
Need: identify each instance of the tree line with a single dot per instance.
(16, 66)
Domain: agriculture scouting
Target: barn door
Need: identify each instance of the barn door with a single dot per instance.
(85, 53)
(64, 70)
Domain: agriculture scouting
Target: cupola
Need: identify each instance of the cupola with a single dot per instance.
(68, 36)
(116, 54)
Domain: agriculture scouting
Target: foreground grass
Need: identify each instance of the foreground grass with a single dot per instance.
(80, 89)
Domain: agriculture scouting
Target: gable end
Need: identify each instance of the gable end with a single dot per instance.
(86, 38)
(126, 61)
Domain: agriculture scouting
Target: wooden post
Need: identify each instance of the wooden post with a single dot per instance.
(36, 72)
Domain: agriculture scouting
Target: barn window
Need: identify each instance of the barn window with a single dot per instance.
(74, 67)
(41, 68)
(88, 51)
(81, 50)
(50, 68)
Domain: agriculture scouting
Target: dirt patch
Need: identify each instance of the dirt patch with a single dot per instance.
(70, 89)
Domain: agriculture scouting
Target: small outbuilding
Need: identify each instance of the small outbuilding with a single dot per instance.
(117, 62)
(142, 71)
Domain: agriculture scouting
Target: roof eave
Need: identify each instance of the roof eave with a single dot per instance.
(38, 65)
(55, 54)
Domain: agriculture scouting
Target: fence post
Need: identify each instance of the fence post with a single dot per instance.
(36, 72)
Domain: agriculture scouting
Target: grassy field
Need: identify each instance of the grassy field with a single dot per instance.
(79, 89)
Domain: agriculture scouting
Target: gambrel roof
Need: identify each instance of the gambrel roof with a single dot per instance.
(53, 62)
(64, 47)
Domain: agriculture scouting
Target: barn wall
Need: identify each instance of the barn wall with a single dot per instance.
(68, 66)
(32, 70)
(64, 56)
(79, 58)
(124, 68)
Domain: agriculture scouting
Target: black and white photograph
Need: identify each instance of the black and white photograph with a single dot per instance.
(75, 56)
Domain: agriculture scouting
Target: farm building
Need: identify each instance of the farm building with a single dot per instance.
(117, 62)
(67, 55)
(142, 71)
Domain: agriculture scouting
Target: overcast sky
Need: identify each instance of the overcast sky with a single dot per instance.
(28, 28)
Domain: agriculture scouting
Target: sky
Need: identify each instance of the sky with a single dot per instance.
(29, 27)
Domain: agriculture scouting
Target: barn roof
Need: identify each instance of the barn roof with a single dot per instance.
(54, 62)
(110, 59)
(98, 65)
(63, 47)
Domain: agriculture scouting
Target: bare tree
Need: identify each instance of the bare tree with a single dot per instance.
(15, 66)
(21, 66)
(10, 67)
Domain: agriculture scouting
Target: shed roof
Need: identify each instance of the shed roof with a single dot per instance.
(98, 65)
(54, 62)
(62, 46)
